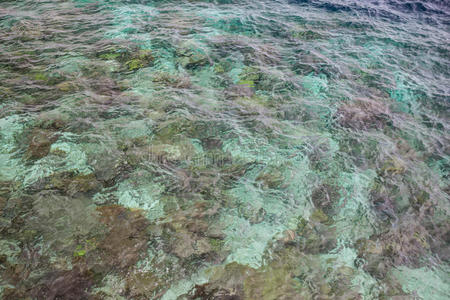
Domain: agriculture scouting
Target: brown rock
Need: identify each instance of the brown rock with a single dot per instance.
(142, 285)
(127, 238)
(240, 90)
(75, 184)
(70, 284)
(364, 114)
(40, 143)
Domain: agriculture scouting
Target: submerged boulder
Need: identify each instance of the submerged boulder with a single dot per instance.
(404, 244)
(364, 114)
(142, 285)
(239, 91)
(191, 55)
(325, 197)
(131, 58)
(139, 59)
(75, 183)
(70, 284)
(40, 143)
(127, 237)
(172, 80)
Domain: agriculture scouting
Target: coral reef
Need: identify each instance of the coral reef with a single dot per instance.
(224, 150)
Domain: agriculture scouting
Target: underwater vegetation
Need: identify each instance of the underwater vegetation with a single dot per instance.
(222, 149)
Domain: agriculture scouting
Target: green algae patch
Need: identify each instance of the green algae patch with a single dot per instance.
(132, 59)
(134, 64)
(140, 59)
(307, 35)
(109, 56)
(249, 83)
(79, 252)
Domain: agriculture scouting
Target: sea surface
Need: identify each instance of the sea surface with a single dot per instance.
(252, 149)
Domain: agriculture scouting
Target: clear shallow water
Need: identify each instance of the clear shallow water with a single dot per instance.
(224, 149)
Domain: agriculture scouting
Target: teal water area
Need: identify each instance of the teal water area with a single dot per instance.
(224, 149)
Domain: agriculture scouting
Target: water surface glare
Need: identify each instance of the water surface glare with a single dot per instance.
(265, 149)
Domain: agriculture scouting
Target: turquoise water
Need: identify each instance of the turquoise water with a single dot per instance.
(224, 149)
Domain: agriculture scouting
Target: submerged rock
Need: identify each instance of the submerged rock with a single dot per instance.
(187, 244)
(131, 58)
(307, 35)
(68, 87)
(190, 234)
(105, 86)
(140, 59)
(364, 114)
(142, 285)
(254, 214)
(290, 275)
(403, 245)
(227, 282)
(73, 184)
(206, 291)
(171, 80)
(325, 197)
(316, 236)
(71, 284)
(191, 55)
(126, 239)
(52, 120)
(41, 141)
(28, 30)
(239, 90)
(271, 178)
